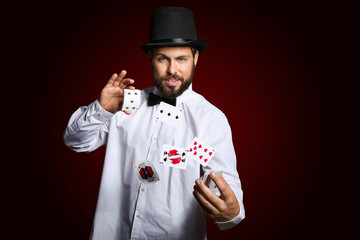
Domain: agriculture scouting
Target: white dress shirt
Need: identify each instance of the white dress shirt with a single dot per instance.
(166, 209)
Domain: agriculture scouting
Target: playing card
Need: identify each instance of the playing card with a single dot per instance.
(173, 157)
(131, 99)
(169, 114)
(146, 172)
(201, 152)
(210, 183)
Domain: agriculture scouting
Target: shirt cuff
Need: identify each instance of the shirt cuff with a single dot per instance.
(231, 223)
(100, 113)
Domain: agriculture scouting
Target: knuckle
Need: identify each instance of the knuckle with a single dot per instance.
(233, 200)
(230, 202)
(222, 208)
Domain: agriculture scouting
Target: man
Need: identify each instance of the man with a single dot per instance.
(173, 207)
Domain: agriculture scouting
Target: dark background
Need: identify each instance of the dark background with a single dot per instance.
(266, 68)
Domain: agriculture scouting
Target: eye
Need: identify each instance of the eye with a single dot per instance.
(161, 59)
(183, 58)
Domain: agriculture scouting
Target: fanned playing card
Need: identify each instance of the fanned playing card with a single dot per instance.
(146, 172)
(201, 152)
(131, 99)
(210, 183)
(173, 157)
(169, 114)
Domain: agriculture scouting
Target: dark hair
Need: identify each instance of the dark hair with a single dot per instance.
(193, 50)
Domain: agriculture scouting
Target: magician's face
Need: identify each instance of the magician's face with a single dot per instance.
(173, 69)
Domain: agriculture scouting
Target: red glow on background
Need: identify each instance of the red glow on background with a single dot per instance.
(263, 68)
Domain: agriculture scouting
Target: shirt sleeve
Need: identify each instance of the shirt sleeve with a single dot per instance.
(231, 223)
(217, 133)
(88, 128)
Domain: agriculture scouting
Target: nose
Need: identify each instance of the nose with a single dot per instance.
(172, 69)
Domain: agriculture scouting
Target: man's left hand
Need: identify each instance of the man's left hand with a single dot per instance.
(221, 209)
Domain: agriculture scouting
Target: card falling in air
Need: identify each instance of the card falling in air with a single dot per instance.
(131, 99)
(201, 152)
(169, 114)
(173, 157)
(146, 172)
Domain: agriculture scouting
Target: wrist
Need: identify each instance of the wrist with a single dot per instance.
(106, 107)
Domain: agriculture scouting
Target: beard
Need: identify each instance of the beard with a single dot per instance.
(171, 91)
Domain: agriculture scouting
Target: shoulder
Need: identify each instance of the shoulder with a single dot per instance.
(201, 106)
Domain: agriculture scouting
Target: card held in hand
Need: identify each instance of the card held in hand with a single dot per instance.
(201, 152)
(131, 99)
(173, 157)
(146, 172)
(169, 114)
(210, 183)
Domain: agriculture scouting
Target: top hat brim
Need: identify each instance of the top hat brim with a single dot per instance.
(200, 44)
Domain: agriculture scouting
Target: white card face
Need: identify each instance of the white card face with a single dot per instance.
(210, 183)
(169, 114)
(201, 152)
(173, 157)
(146, 172)
(131, 99)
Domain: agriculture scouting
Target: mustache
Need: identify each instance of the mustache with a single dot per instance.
(169, 76)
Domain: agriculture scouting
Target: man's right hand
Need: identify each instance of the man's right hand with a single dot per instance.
(112, 95)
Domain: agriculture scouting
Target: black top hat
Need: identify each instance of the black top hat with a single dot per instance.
(173, 26)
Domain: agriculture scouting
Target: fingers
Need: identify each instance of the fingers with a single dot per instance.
(126, 82)
(122, 82)
(202, 189)
(224, 188)
(119, 78)
(113, 91)
(112, 79)
(204, 203)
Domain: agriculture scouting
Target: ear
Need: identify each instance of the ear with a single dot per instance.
(196, 57)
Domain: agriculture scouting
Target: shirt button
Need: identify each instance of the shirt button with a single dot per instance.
(99, 114)
(155, 138)
(143, 189)
(138, 216)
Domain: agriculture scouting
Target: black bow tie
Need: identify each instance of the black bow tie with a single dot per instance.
(155, 99)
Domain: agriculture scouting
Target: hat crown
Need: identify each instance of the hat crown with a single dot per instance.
(172, 23)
